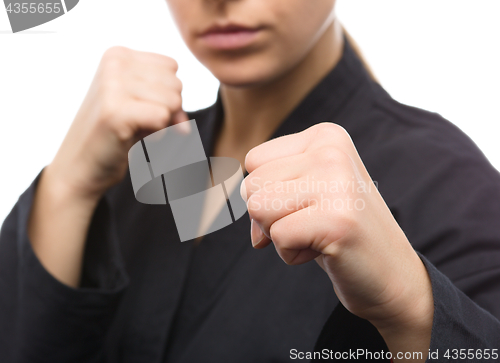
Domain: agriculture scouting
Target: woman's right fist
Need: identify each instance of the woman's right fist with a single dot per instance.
(133, 94)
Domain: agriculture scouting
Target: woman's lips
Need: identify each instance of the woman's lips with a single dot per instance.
(229, 37)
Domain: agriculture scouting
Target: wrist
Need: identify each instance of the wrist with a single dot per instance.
(57, 226)
(410, 329)
(417, 319)
(63, 191)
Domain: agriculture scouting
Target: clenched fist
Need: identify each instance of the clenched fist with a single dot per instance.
(133, 94)
(310, 194)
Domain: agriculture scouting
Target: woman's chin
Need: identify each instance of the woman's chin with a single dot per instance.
(239, 82)
(246, 69)
(243, 77)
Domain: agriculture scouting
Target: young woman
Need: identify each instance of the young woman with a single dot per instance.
(405, 235)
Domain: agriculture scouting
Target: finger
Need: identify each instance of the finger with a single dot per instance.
(297, 257)
(143, 117)
(259, 239)
(157, 77)
(282, 170)
(320, 261)
(302, 231)
(274, 202)
(149, 58)
(275, 149)
(314, 137)
(180, 118)
(155, 93)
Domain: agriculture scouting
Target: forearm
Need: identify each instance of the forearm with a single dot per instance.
(58, 225)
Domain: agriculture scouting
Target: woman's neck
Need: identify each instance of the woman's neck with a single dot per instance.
(251, 115)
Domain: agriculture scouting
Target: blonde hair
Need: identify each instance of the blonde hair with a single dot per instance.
(359, 53)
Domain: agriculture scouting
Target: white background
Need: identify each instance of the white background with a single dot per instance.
(440, 55)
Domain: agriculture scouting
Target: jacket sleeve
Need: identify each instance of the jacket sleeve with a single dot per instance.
(460, 323)
(43, 320)
(462, 331)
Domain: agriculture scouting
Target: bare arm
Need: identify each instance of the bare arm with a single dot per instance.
(58, 227)
(133, 94)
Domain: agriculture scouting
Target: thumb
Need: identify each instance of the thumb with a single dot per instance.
(321, 261)
(179, 116)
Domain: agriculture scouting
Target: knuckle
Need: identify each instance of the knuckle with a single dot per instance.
(346, 223)
(330, 129)
(161, 114)
(331, 155)
(325, 129)
(176, 101)
(117, 61)
(343, 135)
(347, 220)
(112, 67)
(178, 86)
(115, 53)
(171, 63)
(124, 133)
(117, 49)
(341, 130)
(333, 249)
(251, 159)
(111, 84)
(109, 109)
(254, 206)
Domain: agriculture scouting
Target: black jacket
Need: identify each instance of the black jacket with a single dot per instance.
(146, 297)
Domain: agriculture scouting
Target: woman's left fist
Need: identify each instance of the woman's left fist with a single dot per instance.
(310, 194)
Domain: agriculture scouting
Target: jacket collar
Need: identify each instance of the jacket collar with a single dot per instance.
(324, 103)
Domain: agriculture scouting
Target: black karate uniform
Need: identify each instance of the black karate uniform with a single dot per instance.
(146, 297)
